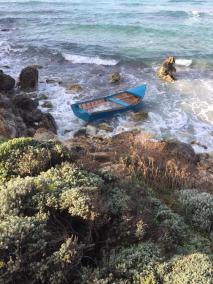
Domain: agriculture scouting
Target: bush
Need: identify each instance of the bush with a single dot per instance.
(30, 254)
(193, 268)
(198, 207)
(84, 202)
(28, 157)
(135, 264)
(65, 188)
(171, 228)
(68, 225)
(15, 197)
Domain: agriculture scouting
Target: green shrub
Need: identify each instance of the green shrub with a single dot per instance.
(198, 207)
(118, 200)
(22, 241)
(135, 264)
(77, 189)
(15, 197)
(30, 254)
(171, 228)
(193, 268)
(84, 202)
(28, 157)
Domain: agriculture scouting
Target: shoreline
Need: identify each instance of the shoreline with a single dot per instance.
(55, 94)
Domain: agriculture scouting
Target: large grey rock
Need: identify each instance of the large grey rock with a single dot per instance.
(7, 83)
(28, 78)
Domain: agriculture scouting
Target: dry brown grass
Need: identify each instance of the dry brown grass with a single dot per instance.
(161, 165)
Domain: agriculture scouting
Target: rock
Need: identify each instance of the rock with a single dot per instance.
(91, 130)
(7, 83)
(11, 125)
(24, 102)
(167, 71)
(181, 150)
(28, 79)
(20, 116)
(30, 117)
(105, 126)
(81, 132)
(75, 88)
(5, 30)
(43, 97)
(5, 102)
(199, 144)
(47, 104)
(53, 81)
(115, 77)
(139, 116)
(42, 134)
(7, 125)
(48, 122)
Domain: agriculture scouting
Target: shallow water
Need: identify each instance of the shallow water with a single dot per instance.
(83, 41)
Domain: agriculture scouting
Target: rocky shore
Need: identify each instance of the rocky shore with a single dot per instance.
(121, 209)
(19, 112)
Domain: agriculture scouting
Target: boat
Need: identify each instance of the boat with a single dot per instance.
(105, 107)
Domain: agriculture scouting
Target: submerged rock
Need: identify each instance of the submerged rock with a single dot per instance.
(139, 116)
(47, 104)
(115, 77)
(43, 97)
(7, 83)
(75, 88)
(81, 132)
(28, 79)
(54, 81)
(105, 126)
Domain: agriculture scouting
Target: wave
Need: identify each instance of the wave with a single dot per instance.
(183, 62)
(89, 60)
(183, 13)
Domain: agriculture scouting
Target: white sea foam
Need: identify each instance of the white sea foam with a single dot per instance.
(183, 62)
(5, 47)
(196, 13)
(89, 60)
(61, 100)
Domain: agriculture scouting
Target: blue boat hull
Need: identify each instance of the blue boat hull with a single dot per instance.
(106, 114)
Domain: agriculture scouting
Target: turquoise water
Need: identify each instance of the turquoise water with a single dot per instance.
(83, 41)
(121, 28)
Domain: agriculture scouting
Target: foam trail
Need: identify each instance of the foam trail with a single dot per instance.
(89, 60)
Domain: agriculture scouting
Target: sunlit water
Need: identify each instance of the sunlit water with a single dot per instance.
(83, 41)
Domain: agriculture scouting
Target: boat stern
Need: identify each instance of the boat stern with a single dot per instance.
(80, 113)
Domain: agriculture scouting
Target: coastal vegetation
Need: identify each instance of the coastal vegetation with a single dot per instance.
(65, 223)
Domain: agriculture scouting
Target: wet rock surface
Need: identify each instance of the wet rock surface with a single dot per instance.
(115, 77)
(7, 83)
(74, 88)
(28, 79)
(139, 116)
(20, 116)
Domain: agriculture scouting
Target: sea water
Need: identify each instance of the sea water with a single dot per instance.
(84, 41)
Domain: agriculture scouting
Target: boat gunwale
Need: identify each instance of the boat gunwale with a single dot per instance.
(111, 110)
